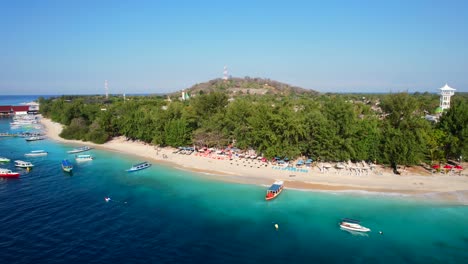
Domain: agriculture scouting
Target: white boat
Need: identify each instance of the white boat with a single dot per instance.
(84, 157)
(3, 159)
(23, 164)
(139, 166)
(35, 138)
(78, 150)
(353, 225)
(36, 153)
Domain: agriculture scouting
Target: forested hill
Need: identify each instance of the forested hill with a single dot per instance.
(247, 85)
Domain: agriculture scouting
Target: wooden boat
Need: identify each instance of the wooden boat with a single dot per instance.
(35, 138)
(8, 173)
(139, 166)
(23, 164)
(36, 153)
(66, 165)
(83, 157)
(78, 150)
(275, 189)
(3, 159)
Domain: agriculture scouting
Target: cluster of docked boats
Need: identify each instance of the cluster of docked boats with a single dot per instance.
(66, 164)
(24, 121)
(18, 163)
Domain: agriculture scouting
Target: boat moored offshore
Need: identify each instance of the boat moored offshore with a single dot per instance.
(139, 166)
(3, 159)
(8, 173)
(35, 138)
(23, 164)
(78, 150)
(83, 157)
(66, 165)
(353, 225)
(275, 189)
(36, 153)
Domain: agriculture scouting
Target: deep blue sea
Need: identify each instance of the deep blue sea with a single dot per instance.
(165, 215)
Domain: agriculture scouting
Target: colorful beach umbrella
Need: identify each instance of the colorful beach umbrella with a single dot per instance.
(436, 166)
(458, 167)
(447, 167)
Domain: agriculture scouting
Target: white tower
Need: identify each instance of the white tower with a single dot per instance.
(106, 87)
(445, 93)
(225, 74)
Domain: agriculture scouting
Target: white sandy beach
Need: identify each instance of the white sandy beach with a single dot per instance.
(416, 181)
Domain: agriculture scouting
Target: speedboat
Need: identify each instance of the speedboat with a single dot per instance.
(78, 150)
(83, 157)
(23, 164)
(139, 166)
(353, 225)
(3, 159)
(66, 165)
(36, 153)
(275, 189)
(8, 173)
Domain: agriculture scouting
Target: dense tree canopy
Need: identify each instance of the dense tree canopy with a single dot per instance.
(388, 129)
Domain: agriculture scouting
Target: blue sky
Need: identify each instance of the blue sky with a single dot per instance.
(71, 47)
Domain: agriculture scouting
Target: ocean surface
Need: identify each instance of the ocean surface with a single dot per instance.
(165, 215)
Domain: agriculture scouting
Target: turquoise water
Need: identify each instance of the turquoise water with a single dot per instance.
(165, 215)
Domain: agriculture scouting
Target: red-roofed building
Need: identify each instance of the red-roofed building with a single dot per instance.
(5, 110)
(20, 110)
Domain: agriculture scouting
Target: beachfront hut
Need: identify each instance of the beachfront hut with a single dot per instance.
(299, 163)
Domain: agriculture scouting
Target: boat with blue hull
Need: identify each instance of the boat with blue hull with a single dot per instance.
(67, 166)
(139, 166)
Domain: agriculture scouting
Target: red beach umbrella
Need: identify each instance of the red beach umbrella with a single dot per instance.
(447, 167)
(435, 166)
(458, 167)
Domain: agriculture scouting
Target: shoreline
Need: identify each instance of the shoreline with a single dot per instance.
(415, 183)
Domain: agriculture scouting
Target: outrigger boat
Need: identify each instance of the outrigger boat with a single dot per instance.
(67, 166)
(36, 153)
(35, 138)
(353, 225)
(8, 173)
(3, 159)
(23, 164)
(139, 166)
(275, 189)
(78, 150)
(83, 157)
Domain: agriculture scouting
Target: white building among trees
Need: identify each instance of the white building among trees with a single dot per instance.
(445, 93)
